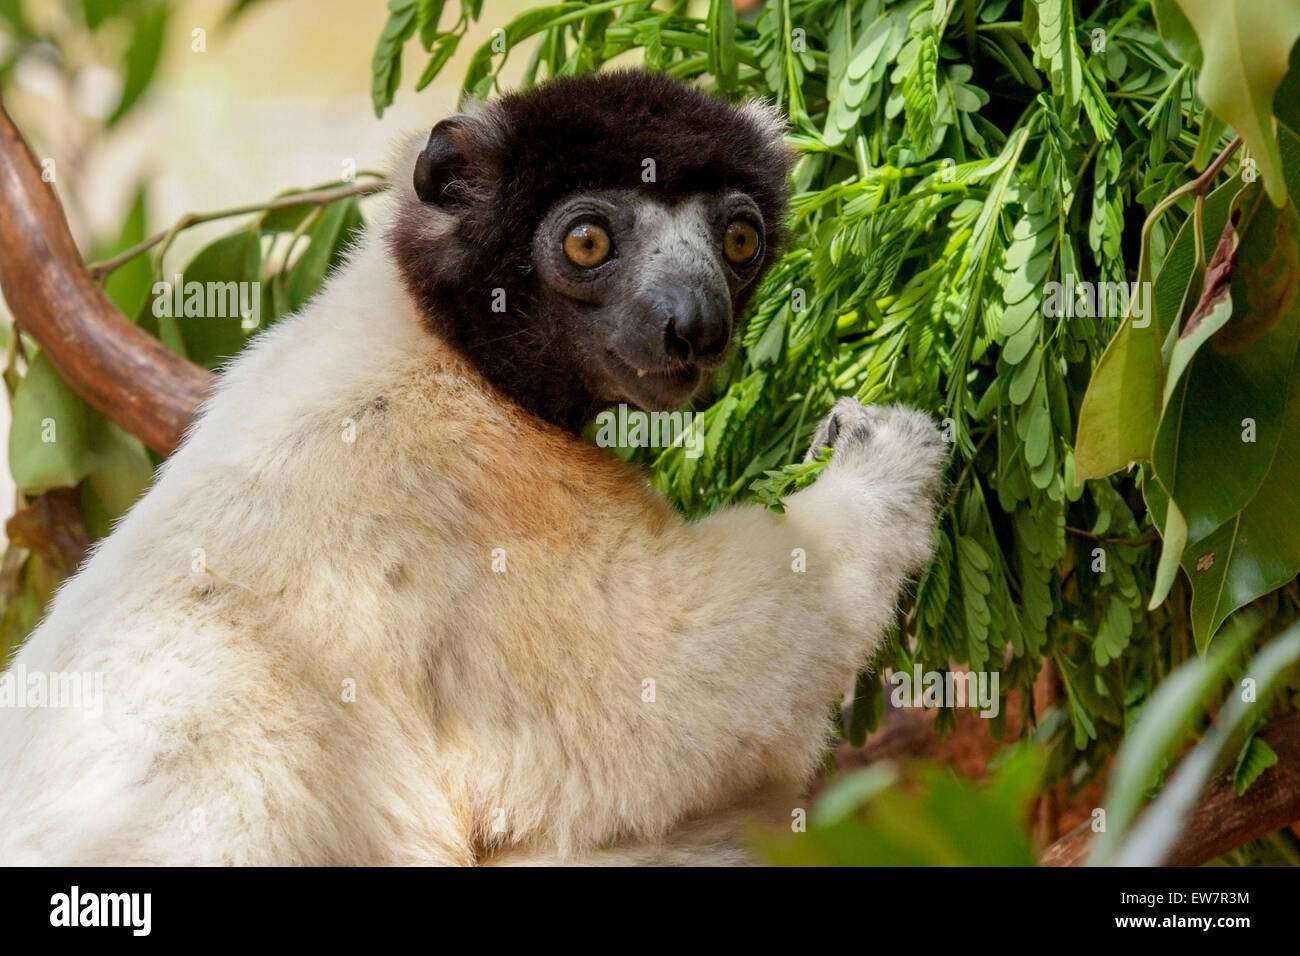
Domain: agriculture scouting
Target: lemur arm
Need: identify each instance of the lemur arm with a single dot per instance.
(730, 638)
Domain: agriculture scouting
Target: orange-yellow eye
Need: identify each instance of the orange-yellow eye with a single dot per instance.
(740, 244)
(587, 245)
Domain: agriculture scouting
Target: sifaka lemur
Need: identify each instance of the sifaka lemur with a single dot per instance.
(427, 639)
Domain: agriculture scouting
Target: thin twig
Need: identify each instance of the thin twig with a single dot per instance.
(320, 197)
(970, 462)
(1200, 184)
(1124, 542)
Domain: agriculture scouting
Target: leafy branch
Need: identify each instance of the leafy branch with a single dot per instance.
(164, 238)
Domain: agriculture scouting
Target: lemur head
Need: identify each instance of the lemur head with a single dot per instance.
(594, 240)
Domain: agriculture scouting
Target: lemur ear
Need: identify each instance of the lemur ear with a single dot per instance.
(441, 163)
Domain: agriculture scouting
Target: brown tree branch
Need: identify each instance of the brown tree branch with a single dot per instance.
(1224, 820)
(120, 369)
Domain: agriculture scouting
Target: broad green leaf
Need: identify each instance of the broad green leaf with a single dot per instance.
(1178, 268)
(1253, 552)
(1246, 46)
(1176, 32)
(1121, 408)
(48, 437)
(142, 55)
(120, 471)
(218, 288)
(1286, 106)
(1266, 279)
(1212, 312)
(1217, 440)
(328, 238)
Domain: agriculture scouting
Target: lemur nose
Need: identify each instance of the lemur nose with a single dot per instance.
(693, 330)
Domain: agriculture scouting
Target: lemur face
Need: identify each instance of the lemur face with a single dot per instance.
(596, 239)
(648, 287)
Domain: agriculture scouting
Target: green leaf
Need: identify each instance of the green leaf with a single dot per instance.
(48, 437)
(142, 56)
(120, 472)
(446, 50)
(1173, 529)
(1113, 634)
(1123, 404)
(386, 67)
(1121, 408)
(96, 12)
(1178, 268)
(1158, 734)
(223, 274)
(1253, 552)
(128, 284)
(427, 15)
(289, 218)
(1255, 757)
(1246, 46)
(722, 42)
(1212, 312)
(940, 819)
(1153, 837)
(868, 708)
(1265, 281)
(25, 607)
(786, 480)
(852, 791)
(328, 238)
(1287, 107)
(1177, 33)
(1217, 439)
(920, 95)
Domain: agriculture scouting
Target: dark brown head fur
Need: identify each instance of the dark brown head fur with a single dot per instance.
(478, 240)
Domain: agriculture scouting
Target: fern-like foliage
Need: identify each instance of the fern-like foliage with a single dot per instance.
(956, 158)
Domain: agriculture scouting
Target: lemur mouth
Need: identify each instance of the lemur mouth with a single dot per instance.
(654, 388)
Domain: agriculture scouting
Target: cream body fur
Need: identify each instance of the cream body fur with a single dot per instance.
(498, 715)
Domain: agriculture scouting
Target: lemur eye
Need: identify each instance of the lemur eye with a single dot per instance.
(740, 244)
(587, 245)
